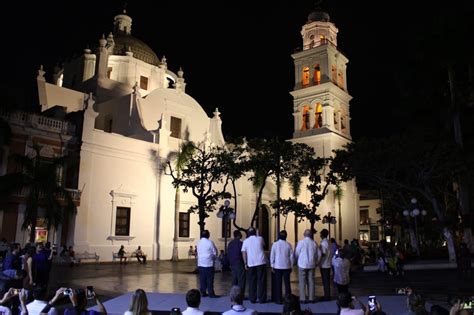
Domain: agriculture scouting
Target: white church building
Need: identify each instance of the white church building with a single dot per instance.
(136, 112)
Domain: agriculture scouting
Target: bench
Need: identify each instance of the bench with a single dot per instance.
(86, 256)
(126, 257)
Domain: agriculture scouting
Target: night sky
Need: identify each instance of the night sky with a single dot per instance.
(236, 55)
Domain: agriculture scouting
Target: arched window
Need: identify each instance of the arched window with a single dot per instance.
(322, 38)
(305, 80)
(305, 118)
(318, 122)
(317, 74)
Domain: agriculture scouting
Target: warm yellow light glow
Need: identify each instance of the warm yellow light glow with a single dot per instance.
(317, 75)
(305, 118)
(305, 80)
(318, 122)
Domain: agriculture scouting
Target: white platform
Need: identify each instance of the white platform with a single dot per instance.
(392, 305)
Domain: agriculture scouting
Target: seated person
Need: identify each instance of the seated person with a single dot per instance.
(346, 304)
(39, 302)
(140, 255)
(193, 299)
(79, 302)
(237, 300)
(121, 254)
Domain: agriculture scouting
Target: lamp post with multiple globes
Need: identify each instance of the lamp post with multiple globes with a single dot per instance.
(414, 213)
(329, 219)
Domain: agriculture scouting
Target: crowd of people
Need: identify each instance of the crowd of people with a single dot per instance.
(25, 276)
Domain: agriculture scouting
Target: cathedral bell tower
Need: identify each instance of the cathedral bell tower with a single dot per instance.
(320, 98)
(321, 112)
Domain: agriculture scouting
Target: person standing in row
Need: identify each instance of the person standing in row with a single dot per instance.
(255, 263)
(234, 252)
(307, 256)
(281, 260)
(325, 264)
(206, 254)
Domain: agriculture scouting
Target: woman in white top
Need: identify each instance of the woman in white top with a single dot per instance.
(138, 304)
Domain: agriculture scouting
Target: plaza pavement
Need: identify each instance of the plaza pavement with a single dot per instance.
(167, 283)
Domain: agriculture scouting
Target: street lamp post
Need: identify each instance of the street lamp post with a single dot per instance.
(414, 213)
(329, 219)
(225, 213)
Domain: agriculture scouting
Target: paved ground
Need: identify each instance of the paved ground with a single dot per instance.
(112, 280)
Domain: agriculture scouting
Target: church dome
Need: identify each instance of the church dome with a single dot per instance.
(318, 16)
(125, 42)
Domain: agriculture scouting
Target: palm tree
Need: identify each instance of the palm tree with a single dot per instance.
(38, 178)
(183, 155)
(338, 194)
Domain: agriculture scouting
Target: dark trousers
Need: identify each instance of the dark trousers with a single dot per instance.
(281, 274)
(258, 283)
(206, 280)
(238, 275)
(141, 257)
(326, 278)
(342, 288)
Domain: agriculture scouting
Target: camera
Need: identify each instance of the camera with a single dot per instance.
(90, 292)
(67, 292)
(16, 291)
(372, 303)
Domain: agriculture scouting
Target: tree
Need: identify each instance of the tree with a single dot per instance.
(38, 177)
(199, 174)
(232, 160)
(181, 157)
(274, 159)
(413, 165)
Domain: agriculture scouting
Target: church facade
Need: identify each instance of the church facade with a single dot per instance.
(136, 112)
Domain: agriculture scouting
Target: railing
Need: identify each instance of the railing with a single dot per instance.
(74, 193)
(39, 122)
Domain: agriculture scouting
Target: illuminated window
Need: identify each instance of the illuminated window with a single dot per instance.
(364, 235)
(143, 83)
(183, 224)
(333, 73)
(122, 221)
(317, 75)
(305, 81)
(340, 79)
(364, 215)
(175, 127)
(322, 38)
(319, 116)
(305, 124)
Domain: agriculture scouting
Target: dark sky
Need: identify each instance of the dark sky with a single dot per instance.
(236, 55)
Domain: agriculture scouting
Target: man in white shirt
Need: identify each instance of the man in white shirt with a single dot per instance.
(206, 254)
(39, 302)
(281, 260)
(325, 264)
(306, 255)
(255, 263)
(193, 299)
(342, 267)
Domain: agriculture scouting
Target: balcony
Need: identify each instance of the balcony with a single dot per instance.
(39, 122)
(22, 194)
